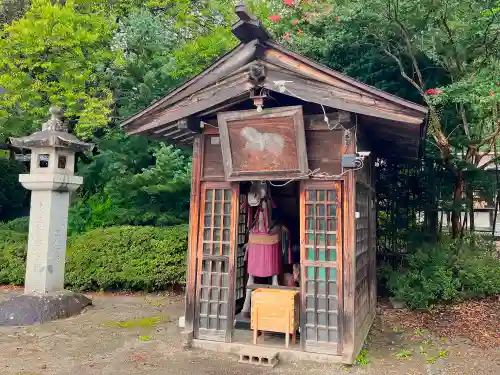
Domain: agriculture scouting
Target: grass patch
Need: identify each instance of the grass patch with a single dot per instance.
(403, 354)
(363, 359)
(145, 338)
(150, 321)
(155, 302)
(443, 354)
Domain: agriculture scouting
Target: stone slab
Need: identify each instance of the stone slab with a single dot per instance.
(29, 309)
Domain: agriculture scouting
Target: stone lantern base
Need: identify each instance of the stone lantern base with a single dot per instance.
(28, 309)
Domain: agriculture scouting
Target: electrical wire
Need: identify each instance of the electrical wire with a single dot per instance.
(321, 175)
(327, 120)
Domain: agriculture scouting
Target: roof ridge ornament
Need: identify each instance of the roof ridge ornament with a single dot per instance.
(248, 27)
(57, 121)
(54, 134)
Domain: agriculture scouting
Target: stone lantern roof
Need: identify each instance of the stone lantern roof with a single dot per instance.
(54, 134)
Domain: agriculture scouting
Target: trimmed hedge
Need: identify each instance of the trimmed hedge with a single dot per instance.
(21, 225)
(12, 256)
(115, 258)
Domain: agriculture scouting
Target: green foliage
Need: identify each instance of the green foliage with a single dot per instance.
(12, 256)
(132, 180)
(146, 42)
(447, 272)
(58, 55)
(12, 195)
(404, 354)
(146, 322)
(363, 358)
(159, 53)
(20, 225)
(127, 258)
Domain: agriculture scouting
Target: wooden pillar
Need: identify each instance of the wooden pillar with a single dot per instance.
(194, 217)
(348, 258)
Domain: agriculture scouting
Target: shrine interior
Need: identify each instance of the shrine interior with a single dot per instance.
(284, 196)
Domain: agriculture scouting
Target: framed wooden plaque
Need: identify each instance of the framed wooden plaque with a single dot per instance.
(269, 145)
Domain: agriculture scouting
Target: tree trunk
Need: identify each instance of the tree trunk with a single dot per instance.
(470, 203)
(457, 204)
(432, 208)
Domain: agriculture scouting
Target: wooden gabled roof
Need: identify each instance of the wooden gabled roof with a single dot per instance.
(392, 121)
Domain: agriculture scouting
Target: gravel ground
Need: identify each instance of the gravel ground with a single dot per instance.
(137, 334)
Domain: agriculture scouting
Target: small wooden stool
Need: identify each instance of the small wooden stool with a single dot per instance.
(275, 310)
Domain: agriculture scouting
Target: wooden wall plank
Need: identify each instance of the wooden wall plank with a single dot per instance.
(320, 93)
(325, 150)
(231, 303)
(302, 266)
(199, 264)
(340, 266)
(213, 167)
(194, 217)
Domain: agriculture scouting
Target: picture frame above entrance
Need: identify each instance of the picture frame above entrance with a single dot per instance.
(266, 145)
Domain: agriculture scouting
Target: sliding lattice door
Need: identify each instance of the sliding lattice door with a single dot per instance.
(321, 242)
(240, 251)
(216, 261)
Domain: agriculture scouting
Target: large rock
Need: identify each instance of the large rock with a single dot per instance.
(27, 309)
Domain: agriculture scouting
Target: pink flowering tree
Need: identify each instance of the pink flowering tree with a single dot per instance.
(460, 41)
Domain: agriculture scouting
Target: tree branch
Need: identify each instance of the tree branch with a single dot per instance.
(452, 43)
(403, 72)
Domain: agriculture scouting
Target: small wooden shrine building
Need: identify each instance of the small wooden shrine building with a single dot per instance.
(264, 113)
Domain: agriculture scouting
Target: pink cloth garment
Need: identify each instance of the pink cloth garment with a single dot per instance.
(263, 260)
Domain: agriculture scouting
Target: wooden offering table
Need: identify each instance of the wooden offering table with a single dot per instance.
(275, 310)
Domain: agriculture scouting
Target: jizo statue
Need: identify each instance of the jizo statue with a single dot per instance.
(263, 250)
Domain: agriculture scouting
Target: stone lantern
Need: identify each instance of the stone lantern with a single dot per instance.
(51, 181)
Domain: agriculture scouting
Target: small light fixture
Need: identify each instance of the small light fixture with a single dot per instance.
(258, 100)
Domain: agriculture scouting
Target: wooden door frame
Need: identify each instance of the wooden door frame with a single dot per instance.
(231, 259)
(338, 185)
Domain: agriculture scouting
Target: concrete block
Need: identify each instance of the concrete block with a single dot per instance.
(259, 356)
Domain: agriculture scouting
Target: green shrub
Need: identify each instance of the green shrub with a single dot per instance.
(13, 197)
(127, 258)
(20, 225)
(13, 247)
(447, 272)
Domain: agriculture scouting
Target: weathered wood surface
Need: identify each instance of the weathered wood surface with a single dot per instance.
(239, 56)
(194, 217)
(221, 91)
(214, 306)
(348, 258)
(231, 303)
(321, 291)
(213, 167)
(324, 147)
(324, 150)
(284, 155)
(334, 97)
(276, 53)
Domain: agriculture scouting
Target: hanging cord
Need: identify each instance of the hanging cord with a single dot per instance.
(316, 173)
(325, 117)
(320, 175)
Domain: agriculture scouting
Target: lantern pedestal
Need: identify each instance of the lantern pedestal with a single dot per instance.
(51, 181)
(27, 309)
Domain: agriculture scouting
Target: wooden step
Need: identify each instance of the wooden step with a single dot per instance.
(267, 357)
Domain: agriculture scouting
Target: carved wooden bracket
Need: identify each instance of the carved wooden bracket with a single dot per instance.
(257, 73)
